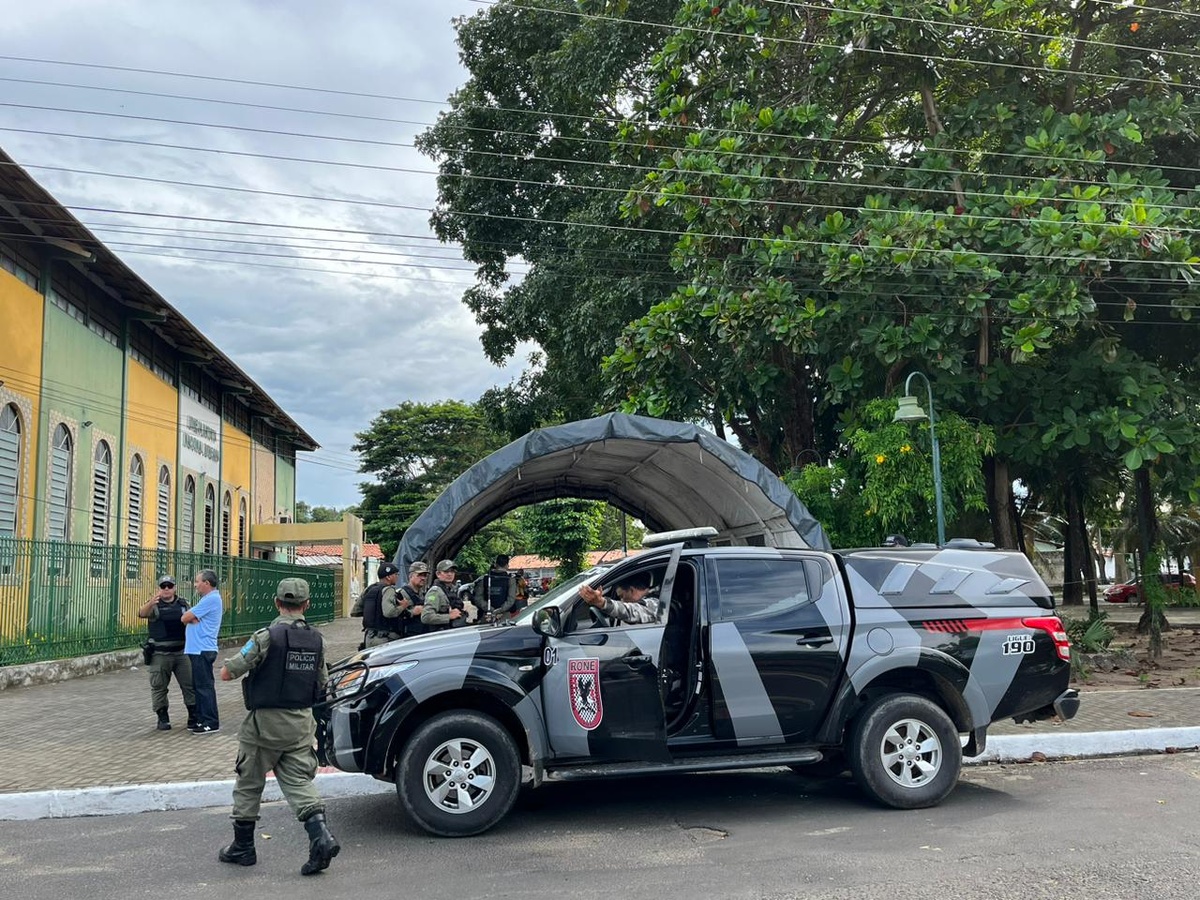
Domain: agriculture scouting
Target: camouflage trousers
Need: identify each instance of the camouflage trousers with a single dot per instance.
(378, 639)
(162, 667)
(294, 772)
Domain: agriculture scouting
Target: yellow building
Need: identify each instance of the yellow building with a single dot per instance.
(121, 424)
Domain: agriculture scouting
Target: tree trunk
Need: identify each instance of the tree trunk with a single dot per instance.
(1152, 621)
(1075, 549)
(1120, 563)
(1001, 505)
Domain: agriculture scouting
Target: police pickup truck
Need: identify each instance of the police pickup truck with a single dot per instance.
(890, 663)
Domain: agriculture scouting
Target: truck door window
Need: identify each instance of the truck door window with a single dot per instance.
(758, 587)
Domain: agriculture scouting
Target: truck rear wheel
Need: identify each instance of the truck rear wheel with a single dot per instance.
(458, 774)
(905, 752)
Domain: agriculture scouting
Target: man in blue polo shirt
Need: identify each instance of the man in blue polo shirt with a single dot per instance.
(203, 621)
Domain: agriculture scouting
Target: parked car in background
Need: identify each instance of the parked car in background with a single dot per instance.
(1128, 592)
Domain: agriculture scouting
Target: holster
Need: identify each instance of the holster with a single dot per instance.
(148, 652)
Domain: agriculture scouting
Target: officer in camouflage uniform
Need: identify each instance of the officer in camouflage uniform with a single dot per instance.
(633, 606)
(164, 651)
(411, 598)
(286, 672)
(439, 612)
(381, 611)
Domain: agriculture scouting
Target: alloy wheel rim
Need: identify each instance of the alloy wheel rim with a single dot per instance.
(911, 753)
(459, 776)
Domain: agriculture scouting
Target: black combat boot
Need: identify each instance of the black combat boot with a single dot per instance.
(191, 722)
(322, 846)
(241, 851)
(164, 722)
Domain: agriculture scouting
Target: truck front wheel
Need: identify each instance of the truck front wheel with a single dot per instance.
(905, 752)
(458, 774)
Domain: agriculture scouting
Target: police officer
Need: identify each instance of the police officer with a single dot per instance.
(164, 651)
(380, 611)
(494, 593)
(286, 671)
(442, 609)
(411, 598)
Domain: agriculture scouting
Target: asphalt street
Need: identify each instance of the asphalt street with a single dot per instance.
(1116, 828)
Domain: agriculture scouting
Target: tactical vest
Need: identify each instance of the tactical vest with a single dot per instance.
(289, 675)
(372, 600)
(497, 589)
(167, 631)
(413, 624)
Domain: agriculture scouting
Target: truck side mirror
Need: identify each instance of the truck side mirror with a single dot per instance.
(547, 621)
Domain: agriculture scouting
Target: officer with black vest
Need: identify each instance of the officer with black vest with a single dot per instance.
(164, 651)
(286, 672)
(379, 608)
(494, 593)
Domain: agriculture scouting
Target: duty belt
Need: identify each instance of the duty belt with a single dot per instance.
(169, 647)
(371, 632)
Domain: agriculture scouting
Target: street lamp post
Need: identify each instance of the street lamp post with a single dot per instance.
(910, 411)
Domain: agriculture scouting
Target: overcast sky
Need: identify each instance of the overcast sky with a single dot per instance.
(332, 347)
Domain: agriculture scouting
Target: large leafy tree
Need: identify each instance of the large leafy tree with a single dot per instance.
(977, 189)
(529, 185)
(563, 530)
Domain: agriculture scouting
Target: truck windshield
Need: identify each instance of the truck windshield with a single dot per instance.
(563, 589)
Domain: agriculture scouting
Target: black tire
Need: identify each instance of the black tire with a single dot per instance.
(450, 802)
(905, 752)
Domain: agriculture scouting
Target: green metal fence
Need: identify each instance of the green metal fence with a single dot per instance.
(60, 600)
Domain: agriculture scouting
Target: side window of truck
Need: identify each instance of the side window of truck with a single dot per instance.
(757, 587)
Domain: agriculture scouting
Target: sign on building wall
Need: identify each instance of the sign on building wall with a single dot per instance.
(199, 437)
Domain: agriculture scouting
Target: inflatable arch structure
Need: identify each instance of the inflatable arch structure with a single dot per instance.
(668, 474)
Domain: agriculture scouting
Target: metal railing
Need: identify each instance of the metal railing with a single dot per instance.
(59, 600)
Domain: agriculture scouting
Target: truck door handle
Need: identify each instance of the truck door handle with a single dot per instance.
(814, 640)
(637, 660)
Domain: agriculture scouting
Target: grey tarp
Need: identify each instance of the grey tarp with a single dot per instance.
(668, 474)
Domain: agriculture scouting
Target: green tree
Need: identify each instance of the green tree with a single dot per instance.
(414, 450)
(527, 176)
(563, 530)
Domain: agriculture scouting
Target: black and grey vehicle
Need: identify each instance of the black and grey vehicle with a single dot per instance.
(881, 661)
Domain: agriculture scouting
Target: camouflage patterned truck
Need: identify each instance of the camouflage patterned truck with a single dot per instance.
(889, 663)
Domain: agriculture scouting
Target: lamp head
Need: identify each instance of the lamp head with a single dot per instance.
(909, 410)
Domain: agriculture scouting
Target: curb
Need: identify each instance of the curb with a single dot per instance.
(138, 798)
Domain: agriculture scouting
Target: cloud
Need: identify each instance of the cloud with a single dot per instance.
(383, 322)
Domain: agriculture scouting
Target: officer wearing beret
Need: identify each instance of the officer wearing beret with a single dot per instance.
(441, 606)
(285, 671)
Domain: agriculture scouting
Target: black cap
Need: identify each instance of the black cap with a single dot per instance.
(387, 569)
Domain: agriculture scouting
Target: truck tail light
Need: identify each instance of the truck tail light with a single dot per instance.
(1053, 626)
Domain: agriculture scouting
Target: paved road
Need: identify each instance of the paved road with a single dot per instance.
(1118, 828)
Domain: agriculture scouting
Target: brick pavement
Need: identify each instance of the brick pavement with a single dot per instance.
(99, 730)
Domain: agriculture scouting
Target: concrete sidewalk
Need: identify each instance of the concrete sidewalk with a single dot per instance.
(71, 747)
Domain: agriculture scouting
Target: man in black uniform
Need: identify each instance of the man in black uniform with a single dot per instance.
(494, 593)
(164, 651)
(286, 673)
(379, 610)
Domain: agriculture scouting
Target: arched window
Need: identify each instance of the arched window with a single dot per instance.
(226, 522)
(187, 526)
(163, 513)
(242, 536)
(137, 483)
(62, 463)
(133, 533)
(101, 492)
(210, 517)
(10, 469)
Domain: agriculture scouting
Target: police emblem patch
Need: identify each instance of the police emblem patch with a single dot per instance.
(583, 682)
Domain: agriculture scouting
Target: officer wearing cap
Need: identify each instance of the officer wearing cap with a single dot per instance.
(164, 651)
(439, 612)
(285, 670)
(412, 597)
(380, 610)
